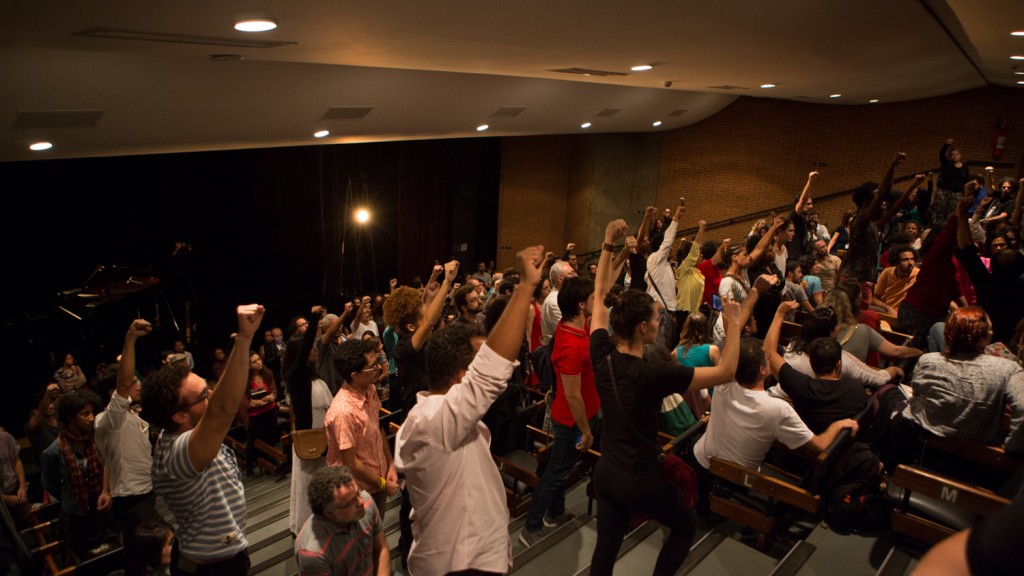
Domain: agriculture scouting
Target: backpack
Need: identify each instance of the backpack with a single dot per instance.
(855, 498)
(543, 367)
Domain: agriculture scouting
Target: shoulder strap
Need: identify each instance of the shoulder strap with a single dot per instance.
(618, 400)
(651, 282)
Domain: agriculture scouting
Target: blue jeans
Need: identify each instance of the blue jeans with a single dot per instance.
(549, 496)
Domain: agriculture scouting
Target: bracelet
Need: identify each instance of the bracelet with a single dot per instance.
(383, 482)
(608, 247)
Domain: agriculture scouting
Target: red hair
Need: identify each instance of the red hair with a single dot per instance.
(967, 331)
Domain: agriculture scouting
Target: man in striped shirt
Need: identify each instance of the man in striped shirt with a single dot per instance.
(192, 469)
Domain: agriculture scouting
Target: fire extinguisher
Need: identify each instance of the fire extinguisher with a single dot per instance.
(999, 138)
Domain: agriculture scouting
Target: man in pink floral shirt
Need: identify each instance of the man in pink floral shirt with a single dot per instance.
(353, 421)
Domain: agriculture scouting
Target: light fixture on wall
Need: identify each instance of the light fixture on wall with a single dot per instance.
(482, 127)
(321, 134)
(255, 25)
(767, 85)
(586, 125)
(656, 123)
(40, 146)
(641, 68)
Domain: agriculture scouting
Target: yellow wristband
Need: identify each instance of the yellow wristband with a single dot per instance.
(383, 482)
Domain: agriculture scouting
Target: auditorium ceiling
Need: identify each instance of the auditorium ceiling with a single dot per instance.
(123, 77)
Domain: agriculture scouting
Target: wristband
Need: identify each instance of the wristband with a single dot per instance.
(608, 247)
(383, 482)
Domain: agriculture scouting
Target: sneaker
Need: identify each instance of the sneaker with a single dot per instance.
(563, 518)
(530, 538)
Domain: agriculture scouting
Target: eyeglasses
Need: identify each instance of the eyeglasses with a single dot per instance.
(205, 395)
(353, 503)
(301, 324)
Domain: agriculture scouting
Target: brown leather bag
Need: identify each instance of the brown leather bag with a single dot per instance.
(309, 444)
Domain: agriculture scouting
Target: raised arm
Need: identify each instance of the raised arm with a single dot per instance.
(208, 435)
(963, 225)
(661, 256)
(1015, 216)
(718, 258)
(832, 242)
(799, 208)
(885, 186)
(898, 204)
(50, 396)
(126, 368)
(726, 368)
(506, 338)
(332, 330)
(641, 234)
(766, 239)
(433, 312)
(771, 339)
(432, 287)
(615, 230)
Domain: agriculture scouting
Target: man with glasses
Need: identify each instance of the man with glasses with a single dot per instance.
(345, 534)
(354, 438)
(470, 304)
(193, 470)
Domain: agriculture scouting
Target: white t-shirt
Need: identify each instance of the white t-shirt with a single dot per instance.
(744, 424)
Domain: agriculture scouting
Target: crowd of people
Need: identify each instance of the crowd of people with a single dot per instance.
(648, 336)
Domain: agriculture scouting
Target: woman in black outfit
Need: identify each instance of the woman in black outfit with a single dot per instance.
(628, 475)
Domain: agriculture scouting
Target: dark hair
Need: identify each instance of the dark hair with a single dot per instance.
(70, 404)
(494, 310)
(510, 272)
(320, 491)
(574, 291)
(350, 356)
(629, 309)
(851, 287)
(460, 296)
(752, 358)
(782, 228)
(684, 250)
(992, 236)
(824, 353)
(105, 381)
(144, 546)
(161, 395)
(791, 265)
(817, 324)
(293, 326)
(447, 352)
(806, 262)
(863, 194)
(708, 249)
(508, 285)
(966, 331)
(540, 287)
(895, 251)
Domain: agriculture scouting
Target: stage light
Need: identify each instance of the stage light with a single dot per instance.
(362, 215)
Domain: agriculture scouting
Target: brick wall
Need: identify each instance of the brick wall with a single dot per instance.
(756, 154)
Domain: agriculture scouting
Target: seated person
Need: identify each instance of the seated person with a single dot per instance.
(961, 392)
(823, 324)
(860, 339)
(746, 420)
(794, 289)
(821, 399)
(894, 282)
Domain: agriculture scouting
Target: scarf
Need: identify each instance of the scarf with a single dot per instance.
(86, 487)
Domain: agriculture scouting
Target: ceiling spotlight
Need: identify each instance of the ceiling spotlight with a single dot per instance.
(641, 68)
(321, 134)
(1016, 57)
(1017, 33)
(656, 123)
(585, 125)
(1019, 73)
(767, 85)
(482, 127)
(873, 101)
(362, 215)
(255, 25)
(835, 95)
(40, 146)
(1020, 82)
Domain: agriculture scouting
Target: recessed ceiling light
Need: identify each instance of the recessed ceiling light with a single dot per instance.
(641, 68)
(1019, 73)
(585, 125)
(255, 25)
(656, 123)
(1016, 57)
(767, 85)
(482, 127)
(873, 101)
(40, 146)
(1020, 82)
(1017, 33)
(835, 95)
(321, 134)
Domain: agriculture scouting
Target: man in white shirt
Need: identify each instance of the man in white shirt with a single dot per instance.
(460, 516)
(661, 281)
(122, 439)
(550, 314)
(746, 420)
